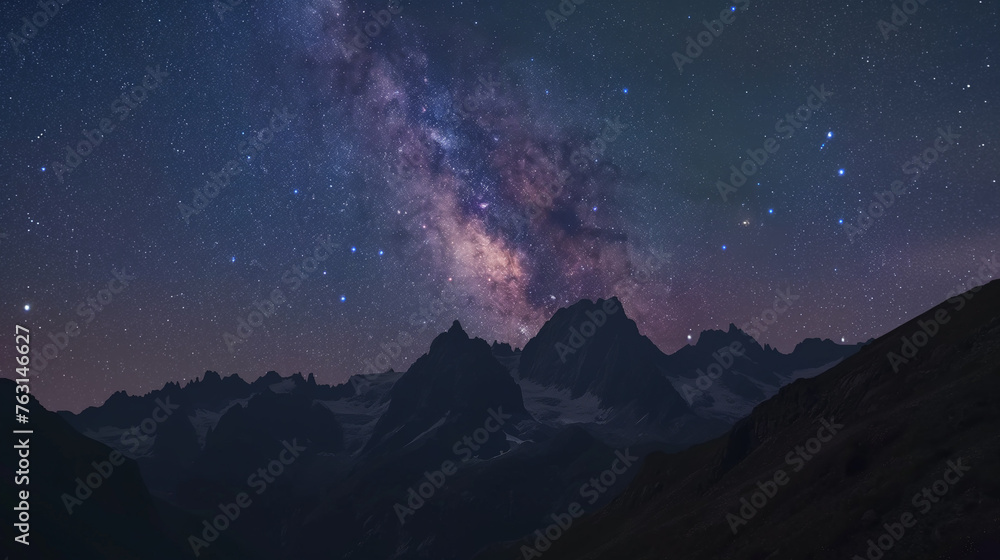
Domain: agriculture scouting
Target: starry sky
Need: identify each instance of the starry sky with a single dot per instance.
(483, 160)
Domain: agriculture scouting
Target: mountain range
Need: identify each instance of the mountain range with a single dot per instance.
(477, 446)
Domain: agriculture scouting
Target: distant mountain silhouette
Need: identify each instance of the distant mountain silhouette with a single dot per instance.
(452, 386)
(593, 347)
(897, 419)
(523, 430)
(112, 517)
(753, 376)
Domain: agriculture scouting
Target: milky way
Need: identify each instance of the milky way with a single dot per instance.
(480, 161)
(502, 204)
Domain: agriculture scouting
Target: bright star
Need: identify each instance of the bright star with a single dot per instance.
(841, 221)
(354, 249)
(233, 259)
(380, 253)
(828, 136)
(723, 247)
(343, 298)
(624, 90)
(840, 172)
(27, 307)
(770, 210)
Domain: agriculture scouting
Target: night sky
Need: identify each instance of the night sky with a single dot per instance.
(417, 166)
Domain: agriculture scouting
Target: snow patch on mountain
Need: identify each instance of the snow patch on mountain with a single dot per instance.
(286, 386)
(555, 405)
(205, 421)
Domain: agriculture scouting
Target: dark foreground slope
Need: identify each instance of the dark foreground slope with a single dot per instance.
(116, 518)
(903, 431)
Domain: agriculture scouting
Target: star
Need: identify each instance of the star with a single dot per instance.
(459, 197)
(828, 135)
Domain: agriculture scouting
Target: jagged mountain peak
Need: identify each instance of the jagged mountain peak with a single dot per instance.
(593, 347)
(456, 327)
(452, 385)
